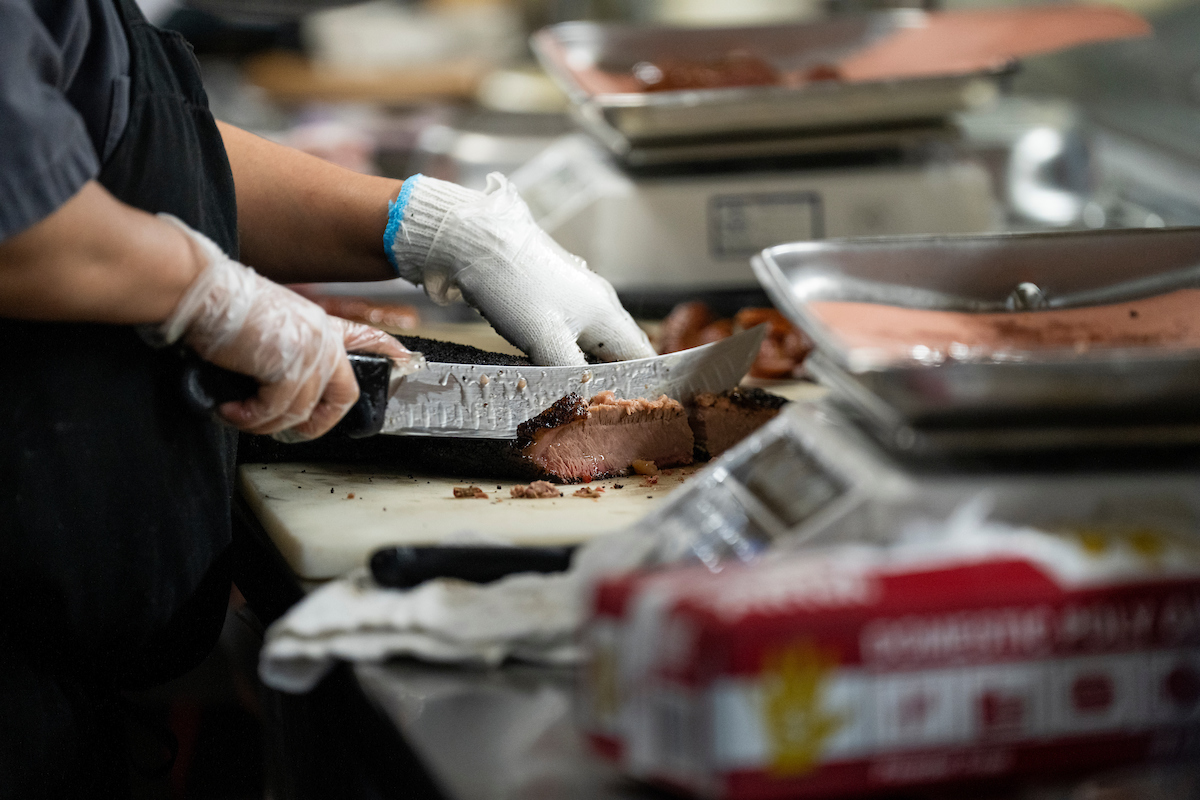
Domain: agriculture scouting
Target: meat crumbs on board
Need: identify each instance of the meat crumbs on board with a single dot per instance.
(538, 490)
(588, 492)
(469, 492)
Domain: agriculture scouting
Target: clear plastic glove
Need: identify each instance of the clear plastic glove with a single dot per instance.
(486, 248)
(239, 320)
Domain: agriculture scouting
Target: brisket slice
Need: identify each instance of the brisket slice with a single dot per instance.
(574, 440)
(719, 421)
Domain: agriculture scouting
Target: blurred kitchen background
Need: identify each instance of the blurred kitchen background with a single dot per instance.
(1105, 135)
(1099, 136)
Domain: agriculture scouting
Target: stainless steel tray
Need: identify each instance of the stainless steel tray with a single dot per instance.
(997, 273)
(623, 120)
(907, 138)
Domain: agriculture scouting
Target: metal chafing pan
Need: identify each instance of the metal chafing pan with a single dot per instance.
(624, 120)
(1033, 389)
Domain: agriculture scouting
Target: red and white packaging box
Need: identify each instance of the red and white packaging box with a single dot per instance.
(841, 673)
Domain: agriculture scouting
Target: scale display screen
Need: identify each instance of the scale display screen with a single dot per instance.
(788, 481)
(740, 225)
(768, 487)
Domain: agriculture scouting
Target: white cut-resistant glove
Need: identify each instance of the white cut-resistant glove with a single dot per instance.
(237, 319)
(486, 248)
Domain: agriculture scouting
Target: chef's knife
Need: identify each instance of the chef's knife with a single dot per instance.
(477, 401)
(481, 401)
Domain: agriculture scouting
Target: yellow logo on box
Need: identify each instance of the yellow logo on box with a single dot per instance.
(798, 726)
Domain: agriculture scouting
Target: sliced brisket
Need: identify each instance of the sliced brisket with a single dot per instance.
(574, 440)
(719, 421)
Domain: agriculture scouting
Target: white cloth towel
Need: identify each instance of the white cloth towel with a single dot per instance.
(527, 616)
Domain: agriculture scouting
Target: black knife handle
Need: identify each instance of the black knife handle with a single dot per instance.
(206, 386)
(405, 567)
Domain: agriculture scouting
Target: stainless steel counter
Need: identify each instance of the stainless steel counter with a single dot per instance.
(509, 734)
(495, 734)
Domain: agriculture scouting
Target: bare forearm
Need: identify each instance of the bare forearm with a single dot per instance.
(96, 259)
(303, 219)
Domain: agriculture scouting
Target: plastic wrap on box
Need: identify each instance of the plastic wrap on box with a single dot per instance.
(856, 669)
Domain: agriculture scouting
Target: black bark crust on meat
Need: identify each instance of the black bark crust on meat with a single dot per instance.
(564, 411)
(753, 398)
(501, 459)
(460, 458)
(452, 353)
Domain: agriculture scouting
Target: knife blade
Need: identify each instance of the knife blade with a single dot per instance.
(479, 401)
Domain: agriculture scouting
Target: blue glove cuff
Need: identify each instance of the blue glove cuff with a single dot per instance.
(395, 216)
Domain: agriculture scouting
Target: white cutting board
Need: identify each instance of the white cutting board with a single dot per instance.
(307, 511)
(322, 534)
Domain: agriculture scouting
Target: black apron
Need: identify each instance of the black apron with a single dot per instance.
(114, 498)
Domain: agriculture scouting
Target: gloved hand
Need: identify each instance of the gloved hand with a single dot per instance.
(239, 320)
(486, 248)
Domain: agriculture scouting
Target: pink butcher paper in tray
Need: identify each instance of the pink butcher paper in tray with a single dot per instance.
(891, 333)
(935, 44)
(977, 41)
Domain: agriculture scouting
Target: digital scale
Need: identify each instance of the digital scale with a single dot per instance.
(675, 191)
(693, 189)
(1106, 439)
(694, 229)
(850, 134)
(672, 192)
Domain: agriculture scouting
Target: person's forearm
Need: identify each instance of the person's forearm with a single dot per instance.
(302, 219)
(96, 259)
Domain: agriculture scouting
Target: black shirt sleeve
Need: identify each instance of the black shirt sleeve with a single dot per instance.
(61, 67)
